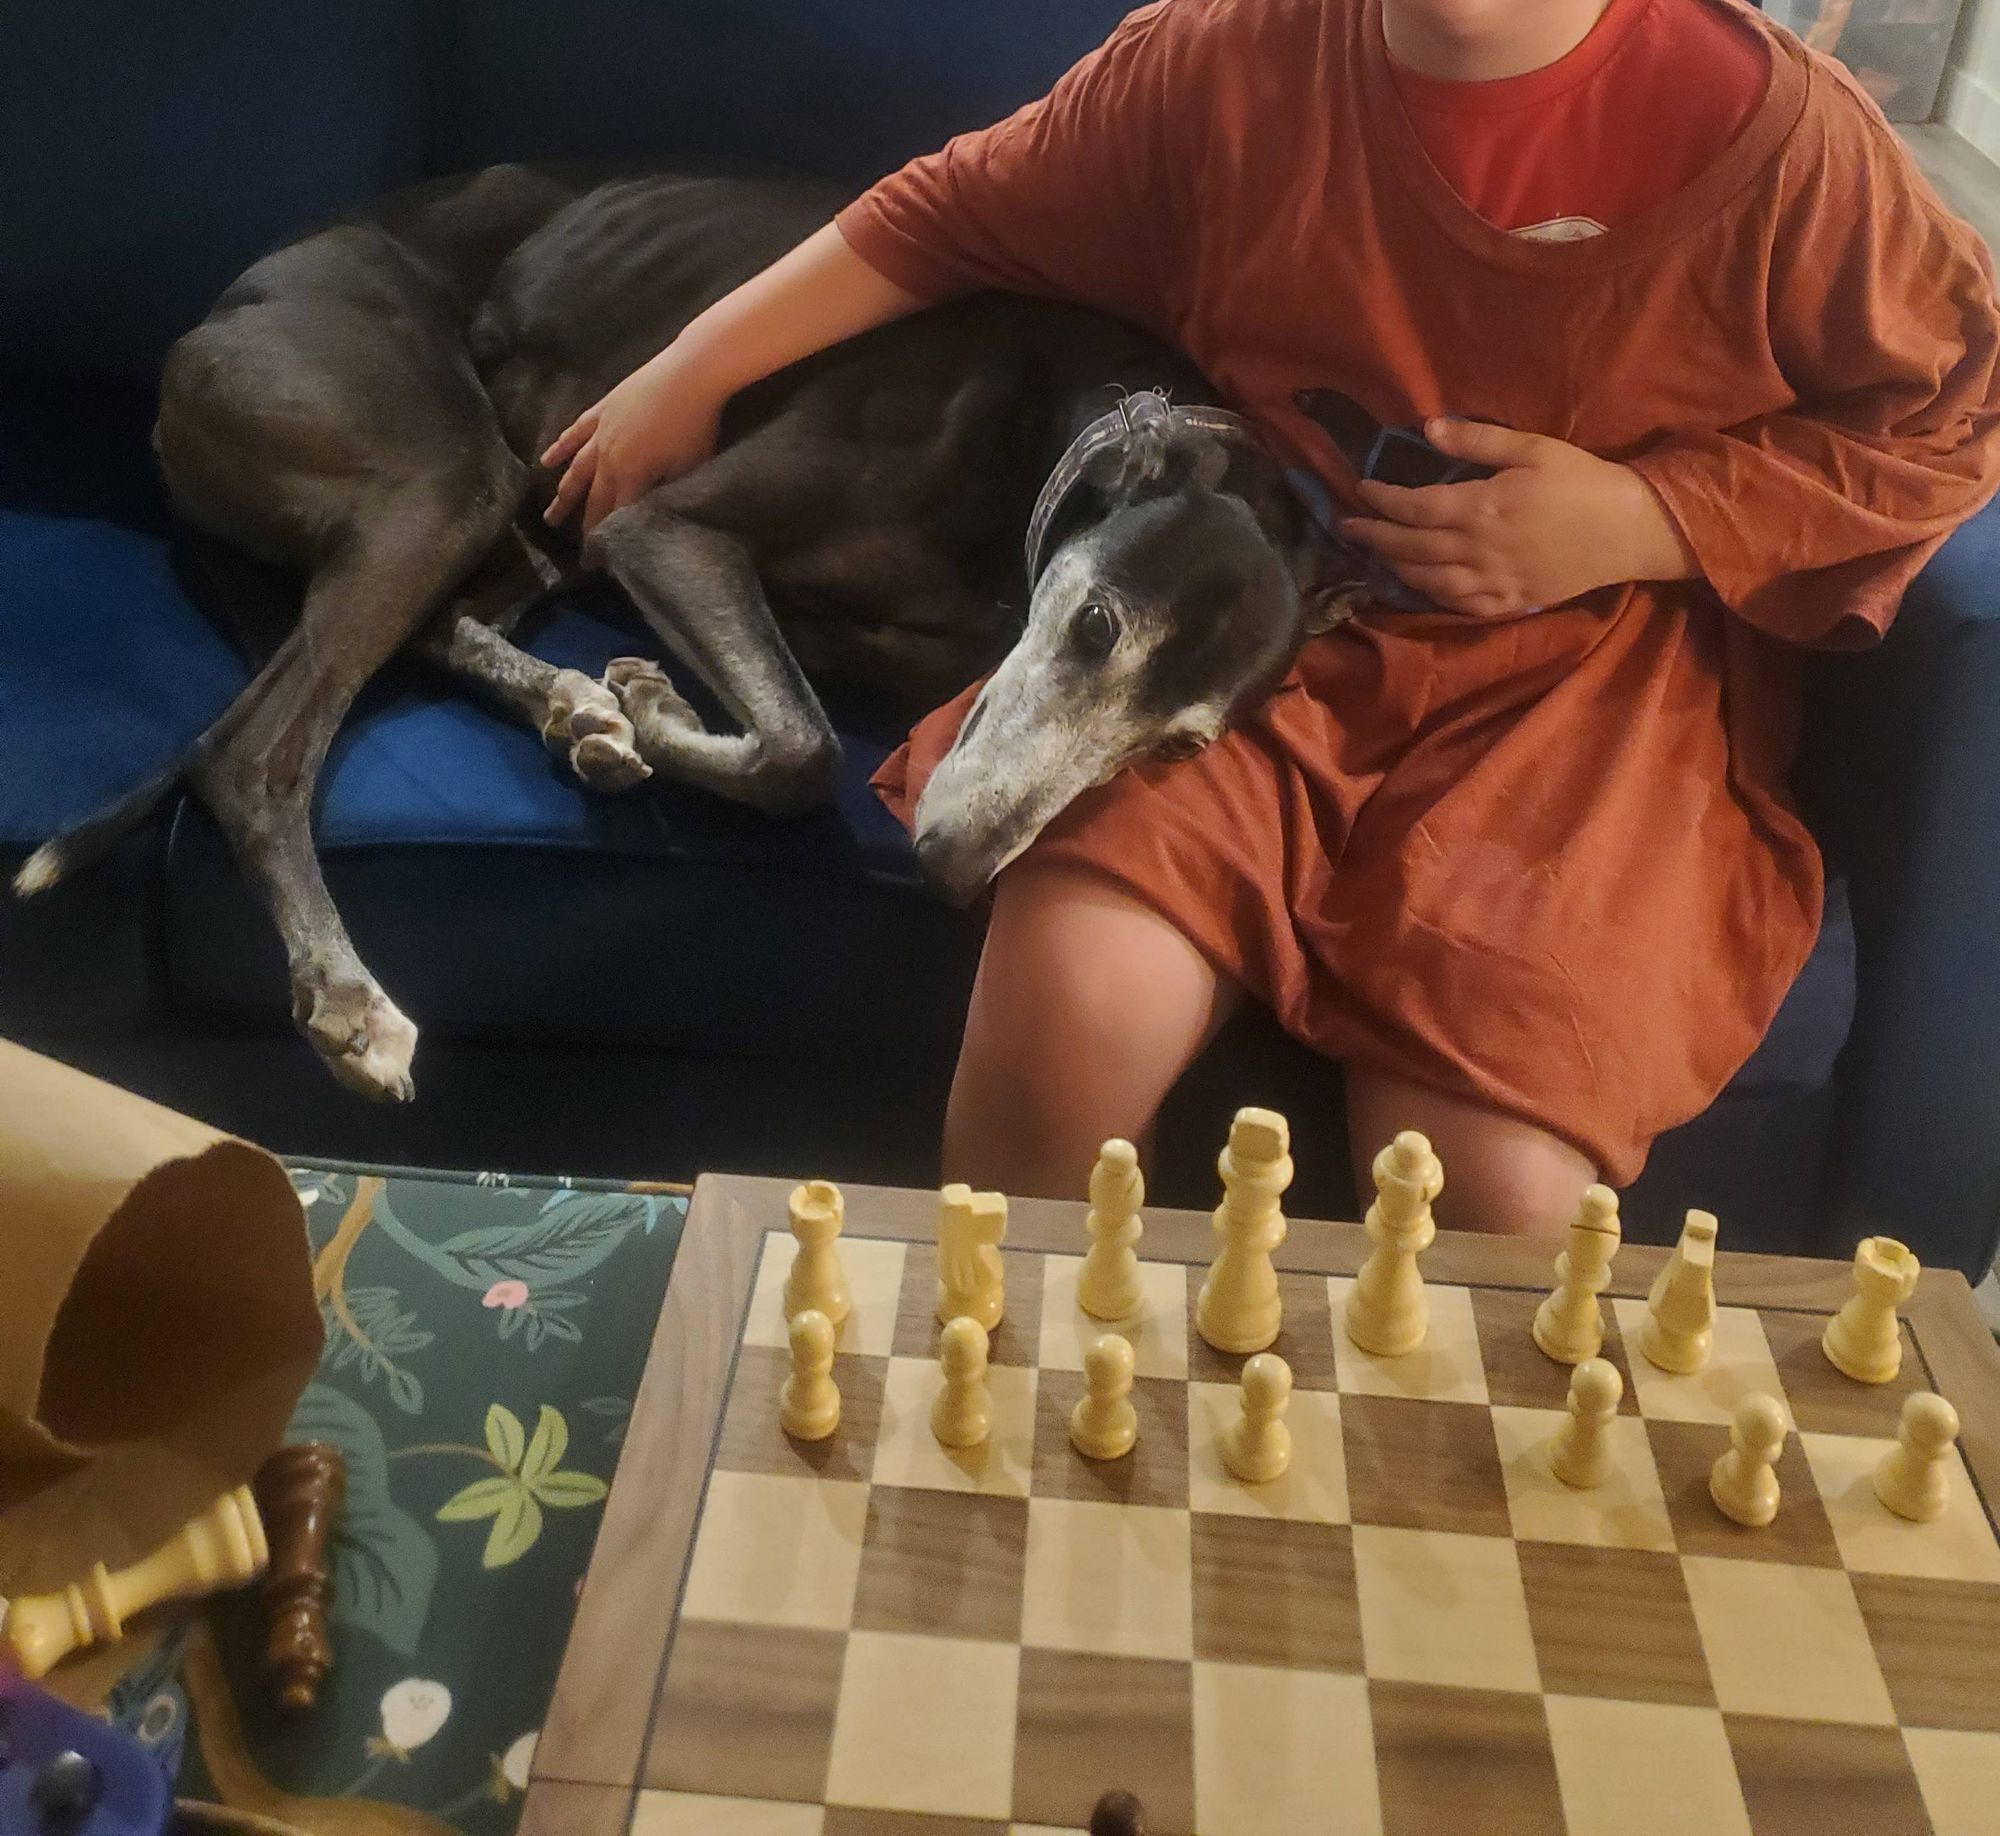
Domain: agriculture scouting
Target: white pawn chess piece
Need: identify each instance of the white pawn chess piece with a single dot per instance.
(1913, 1478)
(962, 1416)
(1679, 1329)
(1863, 1340)
(1580, 1450)
(1107, 1286)
(971, 1285)
(1569, 1325)
(817, 1279)
(1238, 1309)
(1741, 1481)
(809, 1404)
(1387, 1312)
(1103, 1425)
(1257, 1446)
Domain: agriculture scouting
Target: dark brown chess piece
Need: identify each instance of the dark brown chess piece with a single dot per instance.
(1118, 1813)
(299, 1492)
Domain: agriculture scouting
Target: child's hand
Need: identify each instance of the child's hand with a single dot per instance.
(658, 423)
(1552, 523)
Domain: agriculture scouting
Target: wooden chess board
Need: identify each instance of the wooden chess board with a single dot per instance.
(1415, 1630)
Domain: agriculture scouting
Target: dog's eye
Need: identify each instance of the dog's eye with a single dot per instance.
(1093, 632)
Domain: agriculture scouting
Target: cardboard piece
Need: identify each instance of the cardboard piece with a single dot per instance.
(157, 1320)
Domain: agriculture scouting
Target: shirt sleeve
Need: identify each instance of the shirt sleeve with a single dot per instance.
(1811, 522)
(1086, 195)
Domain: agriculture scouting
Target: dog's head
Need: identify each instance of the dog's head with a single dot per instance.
(1171, 574)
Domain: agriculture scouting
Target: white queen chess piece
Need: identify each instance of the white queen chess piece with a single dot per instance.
(1108, 1286)
(1239, 1309)
(1387, 1313)
(971, 1226)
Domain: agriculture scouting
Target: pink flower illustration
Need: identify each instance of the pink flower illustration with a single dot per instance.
(508, 1294)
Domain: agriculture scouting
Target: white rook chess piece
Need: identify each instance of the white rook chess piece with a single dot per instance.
(1679, 1329)
(1863, 1340)
(1569, 1325)
(809, 1404)
(1238, 1309)
(962, 1416)
(1257, 1446)
(1387, 1313)
(1741, 1481)
(1912, 1479)
(1103, 1425)
(1580, 1450)
(1107, 1286)
(970, 1282)
(817, 1280)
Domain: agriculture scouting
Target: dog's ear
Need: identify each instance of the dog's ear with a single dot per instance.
(1328, 605)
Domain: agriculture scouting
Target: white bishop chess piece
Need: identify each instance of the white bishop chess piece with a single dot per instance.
(1913, 1479)
(1387, 1312)
(817, 1279)
(1238, 1309)
(1863, 1340)
(1257, 1446)
(1108, 1286)
(1569, 1325)
(971, 1282)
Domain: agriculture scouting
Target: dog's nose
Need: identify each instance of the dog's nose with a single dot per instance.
(958, 868)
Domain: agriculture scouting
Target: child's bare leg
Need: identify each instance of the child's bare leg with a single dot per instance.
(1501, 1174)
(1087, 1007)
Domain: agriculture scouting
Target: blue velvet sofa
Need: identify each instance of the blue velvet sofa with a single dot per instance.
(656, 983)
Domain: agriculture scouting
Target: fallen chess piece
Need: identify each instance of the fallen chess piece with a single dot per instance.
(1103, 1425)
(1257, 1446)
(1107, 1286)
(1679, 1328)
(809, 1404)
(1569, 1325)
(1388, 1313)
(962, 1416)
(1863, 1340)
(222, 1548)
(1580, 1450)
(1118, 1813)
(1912, 1479)
(299, 1492)
(817, 1279)
(1238, 1309)
(1741, 1481)
(971, 1278)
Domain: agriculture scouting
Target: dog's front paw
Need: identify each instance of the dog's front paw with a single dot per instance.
(365, 1038)
(585, 721)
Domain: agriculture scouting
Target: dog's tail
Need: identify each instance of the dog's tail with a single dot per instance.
(95, 836)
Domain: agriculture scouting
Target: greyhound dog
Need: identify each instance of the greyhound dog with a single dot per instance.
(360, 410)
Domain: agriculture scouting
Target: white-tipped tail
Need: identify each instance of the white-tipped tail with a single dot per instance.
(40, 870)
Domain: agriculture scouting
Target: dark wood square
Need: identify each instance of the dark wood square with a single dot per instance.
(1614, 1622)
(1305, 1335)
(1155, 1472)
(944, 1563)
(1418, 1465)
(846, 1820)
(1821, 1399)
(1818, 1778)
(1274, 1593)
(1018, 1337)
(746, 1711)
(752, 1442)
(1685, 1452)
(1938, 1643)
(1519, 1374)
(1088, 1723)
(1463, 1762)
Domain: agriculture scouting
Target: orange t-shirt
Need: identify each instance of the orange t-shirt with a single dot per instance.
(1652, 94)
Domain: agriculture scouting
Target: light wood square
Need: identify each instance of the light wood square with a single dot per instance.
(1446, 1367)
(1959, 1775)
(1157, 1332)
(1313, 1489)
(1959, 1546)
(907, 1453)
(1785, 1640)
(1628, 1511)
(1283, 1753)
(687, 1813)
(1739, 1363)
(778, 1552)
(925, 1724)
(1644, 1768)
(1438, 1606)
(1108, 1578)
(874, 1281)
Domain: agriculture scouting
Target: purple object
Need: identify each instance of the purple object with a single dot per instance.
(65, 1773)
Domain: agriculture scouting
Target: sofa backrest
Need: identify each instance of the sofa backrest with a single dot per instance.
(148, 153)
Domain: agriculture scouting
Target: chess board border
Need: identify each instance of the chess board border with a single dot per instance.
(590, 1752)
